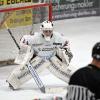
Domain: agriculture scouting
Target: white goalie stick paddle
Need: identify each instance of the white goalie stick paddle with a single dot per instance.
(31, 69)
(36, 77)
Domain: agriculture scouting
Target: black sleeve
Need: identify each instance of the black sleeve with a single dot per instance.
(78, 86)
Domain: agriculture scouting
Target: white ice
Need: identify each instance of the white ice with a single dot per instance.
(82, 34)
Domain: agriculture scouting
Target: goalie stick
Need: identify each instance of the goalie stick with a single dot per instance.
(31, 69)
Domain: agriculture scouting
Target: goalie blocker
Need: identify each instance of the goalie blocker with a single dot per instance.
(21, 74)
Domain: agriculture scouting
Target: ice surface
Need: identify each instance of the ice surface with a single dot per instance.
(29, 91)
(82, 34)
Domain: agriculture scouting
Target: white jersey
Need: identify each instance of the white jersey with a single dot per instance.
(45, 49)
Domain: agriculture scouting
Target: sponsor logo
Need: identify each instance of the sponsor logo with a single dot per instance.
(57, 68)
(8, 2)
(37, 44)
(57, 43)
(39, 64)
(27, 72)
(72, 6)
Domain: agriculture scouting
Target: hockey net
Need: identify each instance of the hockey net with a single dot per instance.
(24, 18)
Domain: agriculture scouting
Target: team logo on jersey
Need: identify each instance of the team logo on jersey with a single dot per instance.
(37, 44)
(57, 43)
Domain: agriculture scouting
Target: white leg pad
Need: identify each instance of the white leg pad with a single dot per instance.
(60, 69)
(21, 74)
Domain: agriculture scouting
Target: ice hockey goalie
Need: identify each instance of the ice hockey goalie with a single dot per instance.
(46, 49)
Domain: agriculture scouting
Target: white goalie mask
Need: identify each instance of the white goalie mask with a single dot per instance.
(47, 29)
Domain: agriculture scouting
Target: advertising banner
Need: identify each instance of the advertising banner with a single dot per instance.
(8, 2)
(17, 17)
(63, 9)
(20, 18)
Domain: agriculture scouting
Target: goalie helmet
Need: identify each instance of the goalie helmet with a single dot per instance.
(46, 25)
(47, 30)
(96, 51)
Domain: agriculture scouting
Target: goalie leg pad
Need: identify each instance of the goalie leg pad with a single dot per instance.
(60, 69)
(21, 74)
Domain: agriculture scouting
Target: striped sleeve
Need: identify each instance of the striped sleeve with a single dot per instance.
(79, 93)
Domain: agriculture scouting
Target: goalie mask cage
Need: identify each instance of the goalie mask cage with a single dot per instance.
(23, 18)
